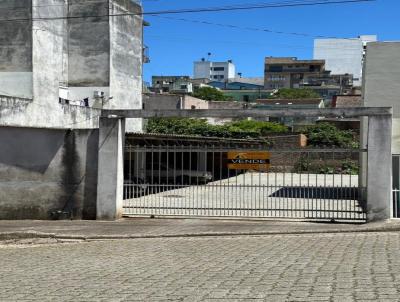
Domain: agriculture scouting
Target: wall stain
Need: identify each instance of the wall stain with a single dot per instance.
(70, 176)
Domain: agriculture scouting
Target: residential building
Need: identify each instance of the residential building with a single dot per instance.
(215, 71)
(347, 101)
(289, 72)
(233, 85)
(328, 85)
(176, 101)
(163, 83)
(343, 56)
(57, 70)
(326, 78)
(48, 66)
(294, 123)
(247, 96)
(172, 84)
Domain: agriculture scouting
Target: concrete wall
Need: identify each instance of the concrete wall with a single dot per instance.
(25, 112)
(162, 101)
(382, 82)
(82, 55)
(46, 170)
(126, 56)
(88, 44)
(190, 102)
(16, 49)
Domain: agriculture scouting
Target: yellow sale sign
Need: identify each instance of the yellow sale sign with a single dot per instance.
(242, 160)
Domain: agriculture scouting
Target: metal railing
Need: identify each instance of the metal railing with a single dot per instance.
(304, 184)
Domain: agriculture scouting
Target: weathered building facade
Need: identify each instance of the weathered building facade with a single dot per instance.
(59, 53)
(61, 62)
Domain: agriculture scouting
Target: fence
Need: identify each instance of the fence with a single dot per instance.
(216, 181)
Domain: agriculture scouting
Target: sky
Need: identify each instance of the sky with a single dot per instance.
(175, 44)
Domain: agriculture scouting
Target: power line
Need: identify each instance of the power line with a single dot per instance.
(267, 30)
(199, 10)
(185, 39)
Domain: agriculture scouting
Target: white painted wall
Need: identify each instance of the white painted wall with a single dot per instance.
(206, 69)
(343, 55)
(381, 85)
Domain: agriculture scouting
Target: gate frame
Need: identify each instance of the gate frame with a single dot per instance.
(378, 164)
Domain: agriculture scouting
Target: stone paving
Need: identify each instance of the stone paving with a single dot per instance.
(324, 267)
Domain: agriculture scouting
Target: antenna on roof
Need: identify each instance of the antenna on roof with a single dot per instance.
(208, 56)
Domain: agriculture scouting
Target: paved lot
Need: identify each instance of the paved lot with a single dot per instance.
(326, 267)
(279, 195)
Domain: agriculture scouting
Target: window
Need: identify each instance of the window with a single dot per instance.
(219, 68)
(276, 68)
(277, 78)
(183, 86)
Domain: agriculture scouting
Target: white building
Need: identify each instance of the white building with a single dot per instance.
(343, 55)
(215, 71)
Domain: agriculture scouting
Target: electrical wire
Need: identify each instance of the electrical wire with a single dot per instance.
(198, 10)
(267, 30)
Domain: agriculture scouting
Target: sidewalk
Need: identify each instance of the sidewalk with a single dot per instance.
(158, 228)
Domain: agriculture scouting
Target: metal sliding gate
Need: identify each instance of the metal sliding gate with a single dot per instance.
(199, 181)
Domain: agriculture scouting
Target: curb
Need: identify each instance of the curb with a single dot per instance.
(40, 235)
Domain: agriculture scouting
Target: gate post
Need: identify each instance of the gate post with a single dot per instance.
(110, 179)
(379, 168)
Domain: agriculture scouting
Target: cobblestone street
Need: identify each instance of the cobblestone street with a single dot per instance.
(319, 267)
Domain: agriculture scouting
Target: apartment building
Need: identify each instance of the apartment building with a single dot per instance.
(215, 71)
(289, 72)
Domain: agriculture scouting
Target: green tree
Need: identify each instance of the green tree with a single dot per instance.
(210, 94)
(295, 93)
(327, 135)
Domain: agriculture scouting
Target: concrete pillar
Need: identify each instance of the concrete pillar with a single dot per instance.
(379, 177)
(111, 169)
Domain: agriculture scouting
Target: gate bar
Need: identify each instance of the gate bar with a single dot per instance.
(255, 113)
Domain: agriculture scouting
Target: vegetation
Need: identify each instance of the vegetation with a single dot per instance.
(346, 166)
(200, 127)
(262, 128)
(327, 135)
(295, 93)
(211, 94)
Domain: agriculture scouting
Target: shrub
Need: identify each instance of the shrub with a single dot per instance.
(295, 93)
(306, 165)
(210, 94)
(200, 127)
(327, 135)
